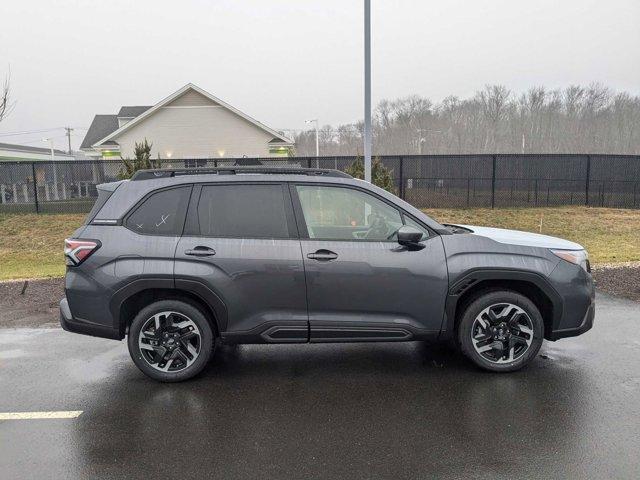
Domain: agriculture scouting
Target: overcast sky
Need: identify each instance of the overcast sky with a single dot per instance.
(284, 61)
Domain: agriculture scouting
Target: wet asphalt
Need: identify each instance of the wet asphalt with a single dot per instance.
(348, 411)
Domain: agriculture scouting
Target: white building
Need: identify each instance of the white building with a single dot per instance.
(190, 123)
(23, 153)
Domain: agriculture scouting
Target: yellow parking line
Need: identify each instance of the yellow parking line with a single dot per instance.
(39, 415)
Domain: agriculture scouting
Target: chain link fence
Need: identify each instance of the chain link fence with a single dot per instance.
(426, 181)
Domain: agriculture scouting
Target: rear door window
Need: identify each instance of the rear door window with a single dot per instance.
(162, 213)
(244, 211)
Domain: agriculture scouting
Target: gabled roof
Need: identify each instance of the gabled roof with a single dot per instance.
(132, 112)
(177, 94)
(101, 126)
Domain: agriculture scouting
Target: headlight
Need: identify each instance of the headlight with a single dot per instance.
(578, 257)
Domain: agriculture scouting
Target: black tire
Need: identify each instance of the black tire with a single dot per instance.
(496, 299)
(205, 343)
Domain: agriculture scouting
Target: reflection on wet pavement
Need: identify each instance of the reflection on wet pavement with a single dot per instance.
(327, 411)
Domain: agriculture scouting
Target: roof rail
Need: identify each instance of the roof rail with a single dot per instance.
(171, 172)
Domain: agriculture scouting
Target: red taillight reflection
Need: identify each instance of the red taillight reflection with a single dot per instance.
(77, 251)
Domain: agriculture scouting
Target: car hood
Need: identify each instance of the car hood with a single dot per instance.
(516, 237)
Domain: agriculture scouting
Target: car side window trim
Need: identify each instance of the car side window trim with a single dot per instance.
(182, 211)
(302, 225)
(193, 223)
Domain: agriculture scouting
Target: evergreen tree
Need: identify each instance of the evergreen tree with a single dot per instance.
(141, 161)
(381, 176)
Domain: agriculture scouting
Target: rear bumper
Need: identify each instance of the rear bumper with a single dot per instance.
(84, 327)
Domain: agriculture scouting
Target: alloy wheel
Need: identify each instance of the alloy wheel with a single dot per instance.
(502, 333)
(169, 341)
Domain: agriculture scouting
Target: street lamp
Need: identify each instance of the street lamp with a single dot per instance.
(315, 121)
(367, 90)
(53, 165)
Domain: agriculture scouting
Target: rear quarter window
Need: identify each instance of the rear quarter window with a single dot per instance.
(103, 196)
(161, 213)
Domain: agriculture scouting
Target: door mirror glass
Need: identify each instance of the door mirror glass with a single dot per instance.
(409, 236)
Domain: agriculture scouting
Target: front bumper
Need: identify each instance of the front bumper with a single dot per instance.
(587, 324)
(84, 327)
(577, 290)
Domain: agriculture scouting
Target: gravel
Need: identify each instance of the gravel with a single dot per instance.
(621, 280)
(38, 305)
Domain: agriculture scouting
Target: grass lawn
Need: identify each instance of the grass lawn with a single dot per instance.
(31, 245)
(610, 235)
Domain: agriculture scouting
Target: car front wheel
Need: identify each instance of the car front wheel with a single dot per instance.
(501, 331)
(170, 340)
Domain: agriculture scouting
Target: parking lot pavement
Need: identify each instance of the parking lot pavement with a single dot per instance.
(325, 411)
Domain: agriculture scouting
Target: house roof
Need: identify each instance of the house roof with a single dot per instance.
(101, 126)
(132, 112)
(109, 136)
(28, 149)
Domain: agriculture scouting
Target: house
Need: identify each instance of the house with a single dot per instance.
(188, 124)
(23, 153)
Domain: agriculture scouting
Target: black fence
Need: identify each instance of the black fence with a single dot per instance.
(426, 181)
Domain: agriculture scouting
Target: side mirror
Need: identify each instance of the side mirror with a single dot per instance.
(410, 237)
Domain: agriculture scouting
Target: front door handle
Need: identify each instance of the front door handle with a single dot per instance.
(200, 251)
(322, 255)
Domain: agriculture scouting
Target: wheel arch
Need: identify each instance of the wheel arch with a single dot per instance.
(478, 282)
(128, 302)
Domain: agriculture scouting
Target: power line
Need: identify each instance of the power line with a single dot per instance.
(28, 132)
(43, 130)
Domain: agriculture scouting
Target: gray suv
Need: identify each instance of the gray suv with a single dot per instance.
(179, 261)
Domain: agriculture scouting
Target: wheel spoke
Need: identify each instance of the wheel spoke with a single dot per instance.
(515, 340)
(186, 337)
(167, 366)
(158, 323)
(525, 329)
(183, 356)
(192, 350)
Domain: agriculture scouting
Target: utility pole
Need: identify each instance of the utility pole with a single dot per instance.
(367, 90)
(69, 130)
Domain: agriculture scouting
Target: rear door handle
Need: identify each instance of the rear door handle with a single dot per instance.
(200, 251)
(322, 255)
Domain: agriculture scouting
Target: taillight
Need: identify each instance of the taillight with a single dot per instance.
(77, 251)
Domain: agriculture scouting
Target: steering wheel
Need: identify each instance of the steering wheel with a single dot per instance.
(379, 228)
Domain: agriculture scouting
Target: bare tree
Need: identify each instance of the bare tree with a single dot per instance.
(578, 119)
(5, 98)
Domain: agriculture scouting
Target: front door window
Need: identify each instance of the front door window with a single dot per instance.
(337, 213)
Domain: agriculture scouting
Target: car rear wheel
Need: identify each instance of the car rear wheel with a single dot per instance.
(501, 331)
(170, 340)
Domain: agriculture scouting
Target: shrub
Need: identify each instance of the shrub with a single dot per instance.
(381, 176)
(142, 160)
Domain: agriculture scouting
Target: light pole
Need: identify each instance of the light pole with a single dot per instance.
(53, 165)
(315, 121)
(367, 90)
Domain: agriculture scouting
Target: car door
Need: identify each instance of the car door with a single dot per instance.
(361, 284)
(240, 249)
